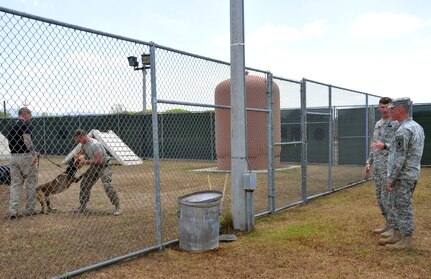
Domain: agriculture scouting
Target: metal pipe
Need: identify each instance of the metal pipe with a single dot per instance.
(366, 128)
(250, 210)
(304, 140)
(157, 188)
(238, 114)
(338, 87)
(330, 139)
(113, 261)
(270, 133)
(144, 89)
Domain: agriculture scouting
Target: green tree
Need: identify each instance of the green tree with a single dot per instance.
(177, 110)
(4, 115)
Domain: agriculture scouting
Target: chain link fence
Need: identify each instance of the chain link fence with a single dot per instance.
(173, 112)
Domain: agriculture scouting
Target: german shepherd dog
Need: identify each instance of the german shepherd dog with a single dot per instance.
(60, 184)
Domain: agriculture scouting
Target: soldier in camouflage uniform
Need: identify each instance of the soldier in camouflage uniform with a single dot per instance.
(384, 131)
(403, 172)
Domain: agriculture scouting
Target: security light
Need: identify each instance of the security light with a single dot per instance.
(133, 61)
(145, 59)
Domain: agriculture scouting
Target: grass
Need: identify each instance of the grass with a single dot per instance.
(330, 237)
(50, 245)
(226, 223)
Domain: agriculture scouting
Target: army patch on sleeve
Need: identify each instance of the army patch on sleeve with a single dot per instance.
(399, 143)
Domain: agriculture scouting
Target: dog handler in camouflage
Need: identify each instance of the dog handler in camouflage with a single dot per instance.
(100, 167)
(404, 165)
(383, 135)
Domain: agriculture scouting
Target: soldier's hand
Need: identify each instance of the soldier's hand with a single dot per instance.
(389, 187)
(367, 170)
(378, 145)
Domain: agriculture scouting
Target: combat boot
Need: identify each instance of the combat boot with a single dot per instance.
(405, 243)
(387, 233)
(391, 240)
(118, 210)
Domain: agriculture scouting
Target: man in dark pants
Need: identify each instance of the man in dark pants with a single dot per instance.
(22, 164)
(100, 167)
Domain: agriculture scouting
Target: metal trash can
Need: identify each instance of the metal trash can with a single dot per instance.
(199, 221)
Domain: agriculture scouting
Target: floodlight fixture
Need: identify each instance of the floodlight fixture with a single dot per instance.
(145, 59)
(133, 61)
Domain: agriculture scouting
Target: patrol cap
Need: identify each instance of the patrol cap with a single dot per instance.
(400, 102)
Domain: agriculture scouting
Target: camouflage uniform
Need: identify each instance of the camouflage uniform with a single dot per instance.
(403, 172)
(384, 131)
(94, 172)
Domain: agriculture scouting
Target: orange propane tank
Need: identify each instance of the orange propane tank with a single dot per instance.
(257, 138)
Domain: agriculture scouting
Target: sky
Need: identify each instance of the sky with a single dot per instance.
(381, 47)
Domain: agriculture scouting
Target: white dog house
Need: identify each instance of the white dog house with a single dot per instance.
(114, 145)
(4, 148)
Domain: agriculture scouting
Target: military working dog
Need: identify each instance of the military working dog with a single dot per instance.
(60, 184)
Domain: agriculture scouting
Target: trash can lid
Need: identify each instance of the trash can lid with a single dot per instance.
(202, 197)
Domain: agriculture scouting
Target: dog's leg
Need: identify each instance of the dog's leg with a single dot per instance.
(51, 208)
(41, 198)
